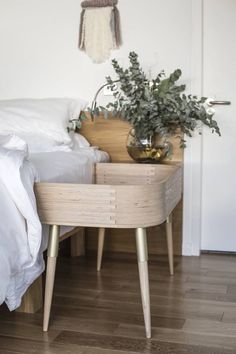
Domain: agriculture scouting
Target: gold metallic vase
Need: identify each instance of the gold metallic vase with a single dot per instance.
(153, 149)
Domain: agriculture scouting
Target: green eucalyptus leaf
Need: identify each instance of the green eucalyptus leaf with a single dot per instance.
(159, 105)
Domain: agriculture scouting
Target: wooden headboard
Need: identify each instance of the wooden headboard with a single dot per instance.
(111, 135)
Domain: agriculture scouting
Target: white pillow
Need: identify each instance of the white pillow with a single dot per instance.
(78, 141)
(42, 143)
(49, 116)
(13, 142)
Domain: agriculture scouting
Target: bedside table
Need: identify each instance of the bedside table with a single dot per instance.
(125, 196)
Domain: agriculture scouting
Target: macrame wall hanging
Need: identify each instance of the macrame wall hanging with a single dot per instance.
(99, 28)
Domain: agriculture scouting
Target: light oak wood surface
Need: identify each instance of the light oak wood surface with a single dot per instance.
(111, 136)
(33, 299)
(124, 195)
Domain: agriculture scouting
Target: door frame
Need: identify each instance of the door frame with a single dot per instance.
(192, 197)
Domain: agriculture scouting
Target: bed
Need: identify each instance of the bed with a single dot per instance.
(34, 146)
(49, 166)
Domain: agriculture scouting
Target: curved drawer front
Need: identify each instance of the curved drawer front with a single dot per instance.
(76, 204)
(114, 206)
(140, 206)
(99, 205)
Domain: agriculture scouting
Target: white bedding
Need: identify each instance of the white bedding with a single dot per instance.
(73, 167)
(21, 245)
(20, 228)
(47, 116)
(68, 167)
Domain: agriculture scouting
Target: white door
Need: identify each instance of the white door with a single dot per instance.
(219, 154)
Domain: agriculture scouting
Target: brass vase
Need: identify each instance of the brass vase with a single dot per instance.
(151, 149)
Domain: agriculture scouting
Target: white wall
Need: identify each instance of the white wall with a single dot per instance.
(39, 58)
(39, 55)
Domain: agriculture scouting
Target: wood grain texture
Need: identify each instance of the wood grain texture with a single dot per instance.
(124, 241)
(33, 298)
(124, 196)
(111, 135)
(102, 313)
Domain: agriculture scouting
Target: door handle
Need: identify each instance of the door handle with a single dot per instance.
(225, 103)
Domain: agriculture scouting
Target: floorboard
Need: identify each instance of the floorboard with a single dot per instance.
(193, 312)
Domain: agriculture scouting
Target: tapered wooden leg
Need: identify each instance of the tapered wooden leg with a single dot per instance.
(169, 239)
(142, 254)
(101, 237)
(52, 253)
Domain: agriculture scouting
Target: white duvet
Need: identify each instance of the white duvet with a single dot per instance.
(20, 228)
(21, 240)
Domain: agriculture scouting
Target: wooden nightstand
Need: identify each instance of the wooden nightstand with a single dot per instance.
(125, 196)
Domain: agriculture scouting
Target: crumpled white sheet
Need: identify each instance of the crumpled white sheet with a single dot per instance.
(20, 228)
(21, 243)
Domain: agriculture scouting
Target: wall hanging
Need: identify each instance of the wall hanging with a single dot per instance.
(99, 28)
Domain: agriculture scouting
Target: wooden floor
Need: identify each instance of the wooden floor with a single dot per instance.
(193, 312)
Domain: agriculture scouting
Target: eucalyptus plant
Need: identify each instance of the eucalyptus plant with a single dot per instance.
(154, 106)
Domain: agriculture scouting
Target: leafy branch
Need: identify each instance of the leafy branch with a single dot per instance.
(157, 106)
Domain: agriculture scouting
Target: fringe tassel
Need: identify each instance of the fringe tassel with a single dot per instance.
(117, 27)
(81, 29)
(115, 20)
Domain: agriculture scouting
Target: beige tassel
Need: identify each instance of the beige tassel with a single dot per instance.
(81, 42)
(117, 27)
(115, 20)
